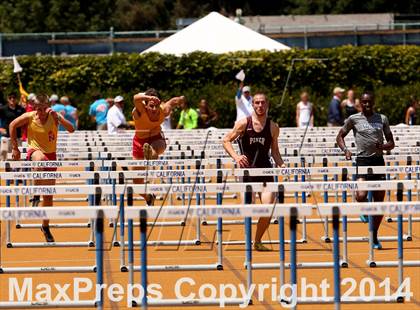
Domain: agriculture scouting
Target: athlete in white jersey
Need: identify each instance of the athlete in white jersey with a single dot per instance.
(304, 112)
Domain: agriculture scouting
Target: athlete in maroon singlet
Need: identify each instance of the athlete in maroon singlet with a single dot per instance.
(258, 135)
(256, 147)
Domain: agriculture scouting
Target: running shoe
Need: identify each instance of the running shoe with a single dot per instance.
(364, 218)
(147, 151)
(150, 200)
(377, 245)
(47, 234)
(259, 246)
(35, 201)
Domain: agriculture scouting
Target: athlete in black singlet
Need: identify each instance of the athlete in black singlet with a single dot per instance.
(258, 135)
(256, 147)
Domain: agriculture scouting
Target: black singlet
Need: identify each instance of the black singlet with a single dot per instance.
(256, 145)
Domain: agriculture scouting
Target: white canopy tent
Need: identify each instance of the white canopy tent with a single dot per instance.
(216, 34)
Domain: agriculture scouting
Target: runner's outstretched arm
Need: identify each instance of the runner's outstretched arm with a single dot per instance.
(59, 119)
(172, 103)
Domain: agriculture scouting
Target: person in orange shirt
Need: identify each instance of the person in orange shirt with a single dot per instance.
(148, 114)
(42, 124)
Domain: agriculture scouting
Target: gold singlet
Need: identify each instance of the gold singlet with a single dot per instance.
(145, 128)
(42, 137)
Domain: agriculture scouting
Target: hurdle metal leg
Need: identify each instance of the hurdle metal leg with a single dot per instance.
(91, 202)
(336, 255)
(130, 239)
(99, 229)
(304, 238)
(143, 258)
(248, 243)
(219, 227)
(8, 225)
(293, 266)
(371, 259)
(409, 198)
(326, 237)
(114, 203)
(198, 202)
(400, 251)
(122, 229)
(281, 238)
(344, 262)
(335, 180)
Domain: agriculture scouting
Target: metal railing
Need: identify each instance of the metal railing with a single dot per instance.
(59, 43)
(336, 28)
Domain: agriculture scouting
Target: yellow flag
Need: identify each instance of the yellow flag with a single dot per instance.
(23, 92)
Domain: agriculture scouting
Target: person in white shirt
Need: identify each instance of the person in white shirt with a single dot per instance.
(167, 123)
(243, 100)
(115, 118)
(304, 112)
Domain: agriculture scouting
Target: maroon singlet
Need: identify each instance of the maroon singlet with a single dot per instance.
(256, 145)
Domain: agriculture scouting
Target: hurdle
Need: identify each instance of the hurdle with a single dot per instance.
(400, 262)
(371, 209)
(50, 269)
(316, 187)
(213, 211)
(63, 213)
(90, 243)
(337, 299)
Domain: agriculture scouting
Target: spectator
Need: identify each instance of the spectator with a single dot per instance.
(335, 116)
(71, 113)
(304, 112)
(115, 118)
(8, 113)
(58, 107)
(350, 104)
(29, 107)
(410, 114)
(188, 118)
(53, 99)
(167, 122)
(243, 101)
(110, 102)
(98, 111)
(206, 117)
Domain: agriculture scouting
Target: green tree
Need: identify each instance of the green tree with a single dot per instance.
(80, 15)
(143, 14)
(23, 16)
(100, 15)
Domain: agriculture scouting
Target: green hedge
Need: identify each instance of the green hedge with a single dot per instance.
(392, 72)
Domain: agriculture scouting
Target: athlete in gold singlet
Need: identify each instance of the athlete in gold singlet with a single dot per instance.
(42, 124)
(148, 114)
